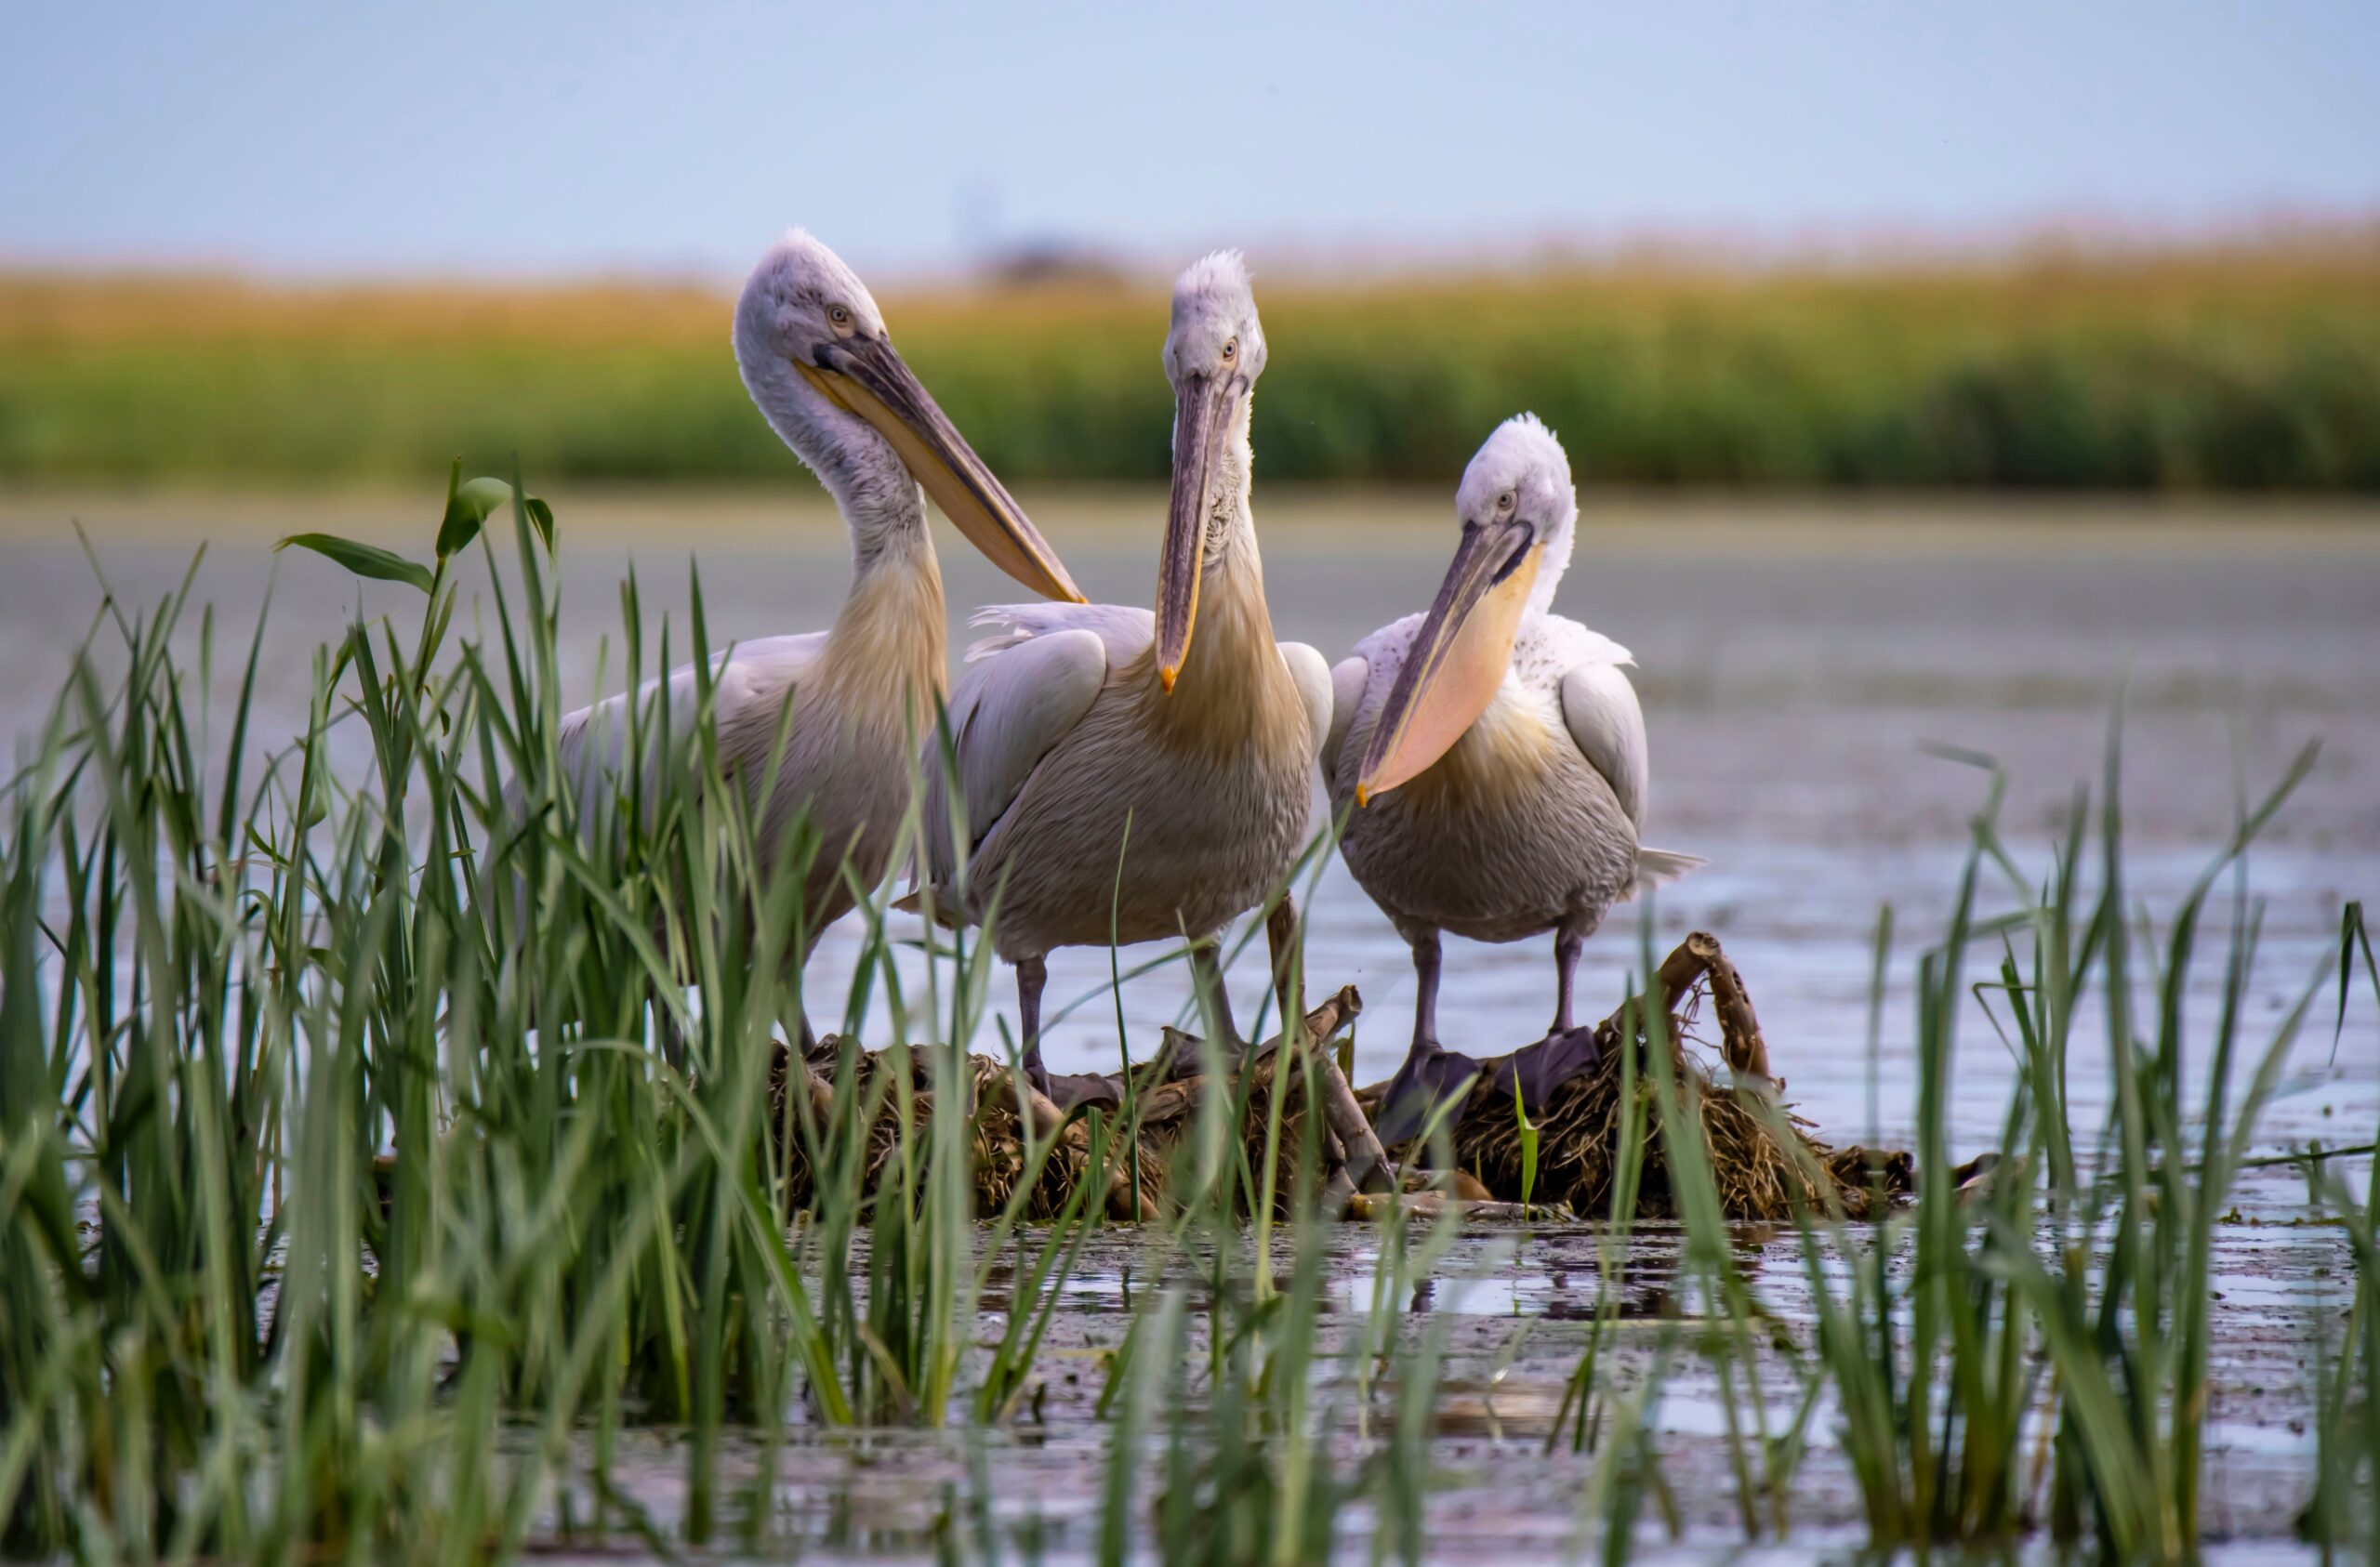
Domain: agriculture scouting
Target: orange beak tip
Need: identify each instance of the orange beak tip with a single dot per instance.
(1363, 796)
(1167, 674)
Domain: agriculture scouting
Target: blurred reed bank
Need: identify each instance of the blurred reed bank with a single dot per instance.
(2243, 364)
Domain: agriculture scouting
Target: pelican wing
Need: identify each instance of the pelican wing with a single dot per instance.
(1315, 689)
(1121, 629)
(1600, 709)
(1023, 691)
(750, 683)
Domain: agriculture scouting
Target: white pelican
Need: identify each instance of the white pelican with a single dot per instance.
(1073, 719)
(814, 357)
(1493, 753)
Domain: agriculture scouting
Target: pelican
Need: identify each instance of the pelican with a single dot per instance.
(1488, 760)
(815, 357)
(1180, 742)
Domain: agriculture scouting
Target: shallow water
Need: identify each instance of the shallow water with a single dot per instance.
(1514, 1309)
(1796, 658)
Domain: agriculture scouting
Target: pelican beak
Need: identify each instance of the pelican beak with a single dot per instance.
(1202, 414)
(1459, 657)
(867, 376)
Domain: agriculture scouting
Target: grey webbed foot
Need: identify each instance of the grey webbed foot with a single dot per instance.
(1068, 1089)
(1432, 1076)
(1546, 1065)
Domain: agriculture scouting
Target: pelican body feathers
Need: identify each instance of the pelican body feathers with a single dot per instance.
(1527, 823)
(1074, 759)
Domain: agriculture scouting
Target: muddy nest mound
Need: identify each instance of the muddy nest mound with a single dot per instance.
(1056, 1157)
(1757, 1176)
(1765, 1161)
(1321, 1117)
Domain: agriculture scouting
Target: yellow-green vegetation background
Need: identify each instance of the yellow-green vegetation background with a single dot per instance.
(2245, 365)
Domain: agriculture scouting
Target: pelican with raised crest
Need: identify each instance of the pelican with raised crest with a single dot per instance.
(1487, 758)
(816, 359)
(1178, 745)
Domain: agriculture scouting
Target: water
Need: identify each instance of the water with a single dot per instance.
(1796, 660)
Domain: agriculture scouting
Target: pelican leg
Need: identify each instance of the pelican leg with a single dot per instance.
(1069, 1090)
(1289, 976)
(1430, 1073)
(1567, 1051)
(1566, 970)
(1425, 988)
(1207, 987)
(1032, 973)
(798, 966)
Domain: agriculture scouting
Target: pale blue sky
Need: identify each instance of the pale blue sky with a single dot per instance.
(348, 136)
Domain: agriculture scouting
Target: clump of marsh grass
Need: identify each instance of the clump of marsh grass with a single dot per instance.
(2034, 1350)
(346, 1205)
(2346, 1379)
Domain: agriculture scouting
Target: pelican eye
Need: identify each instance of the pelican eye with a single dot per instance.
(1231, 351)
(839, 315)
(1506, 501)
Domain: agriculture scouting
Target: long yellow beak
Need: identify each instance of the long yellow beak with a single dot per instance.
(866, 375)
(1458, 659)
(1202, 415)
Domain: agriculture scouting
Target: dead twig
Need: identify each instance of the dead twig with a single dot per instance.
(1701, 957)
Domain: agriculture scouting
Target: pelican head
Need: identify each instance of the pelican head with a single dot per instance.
(1517, 511)
(1213, 353)
(802, 308)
